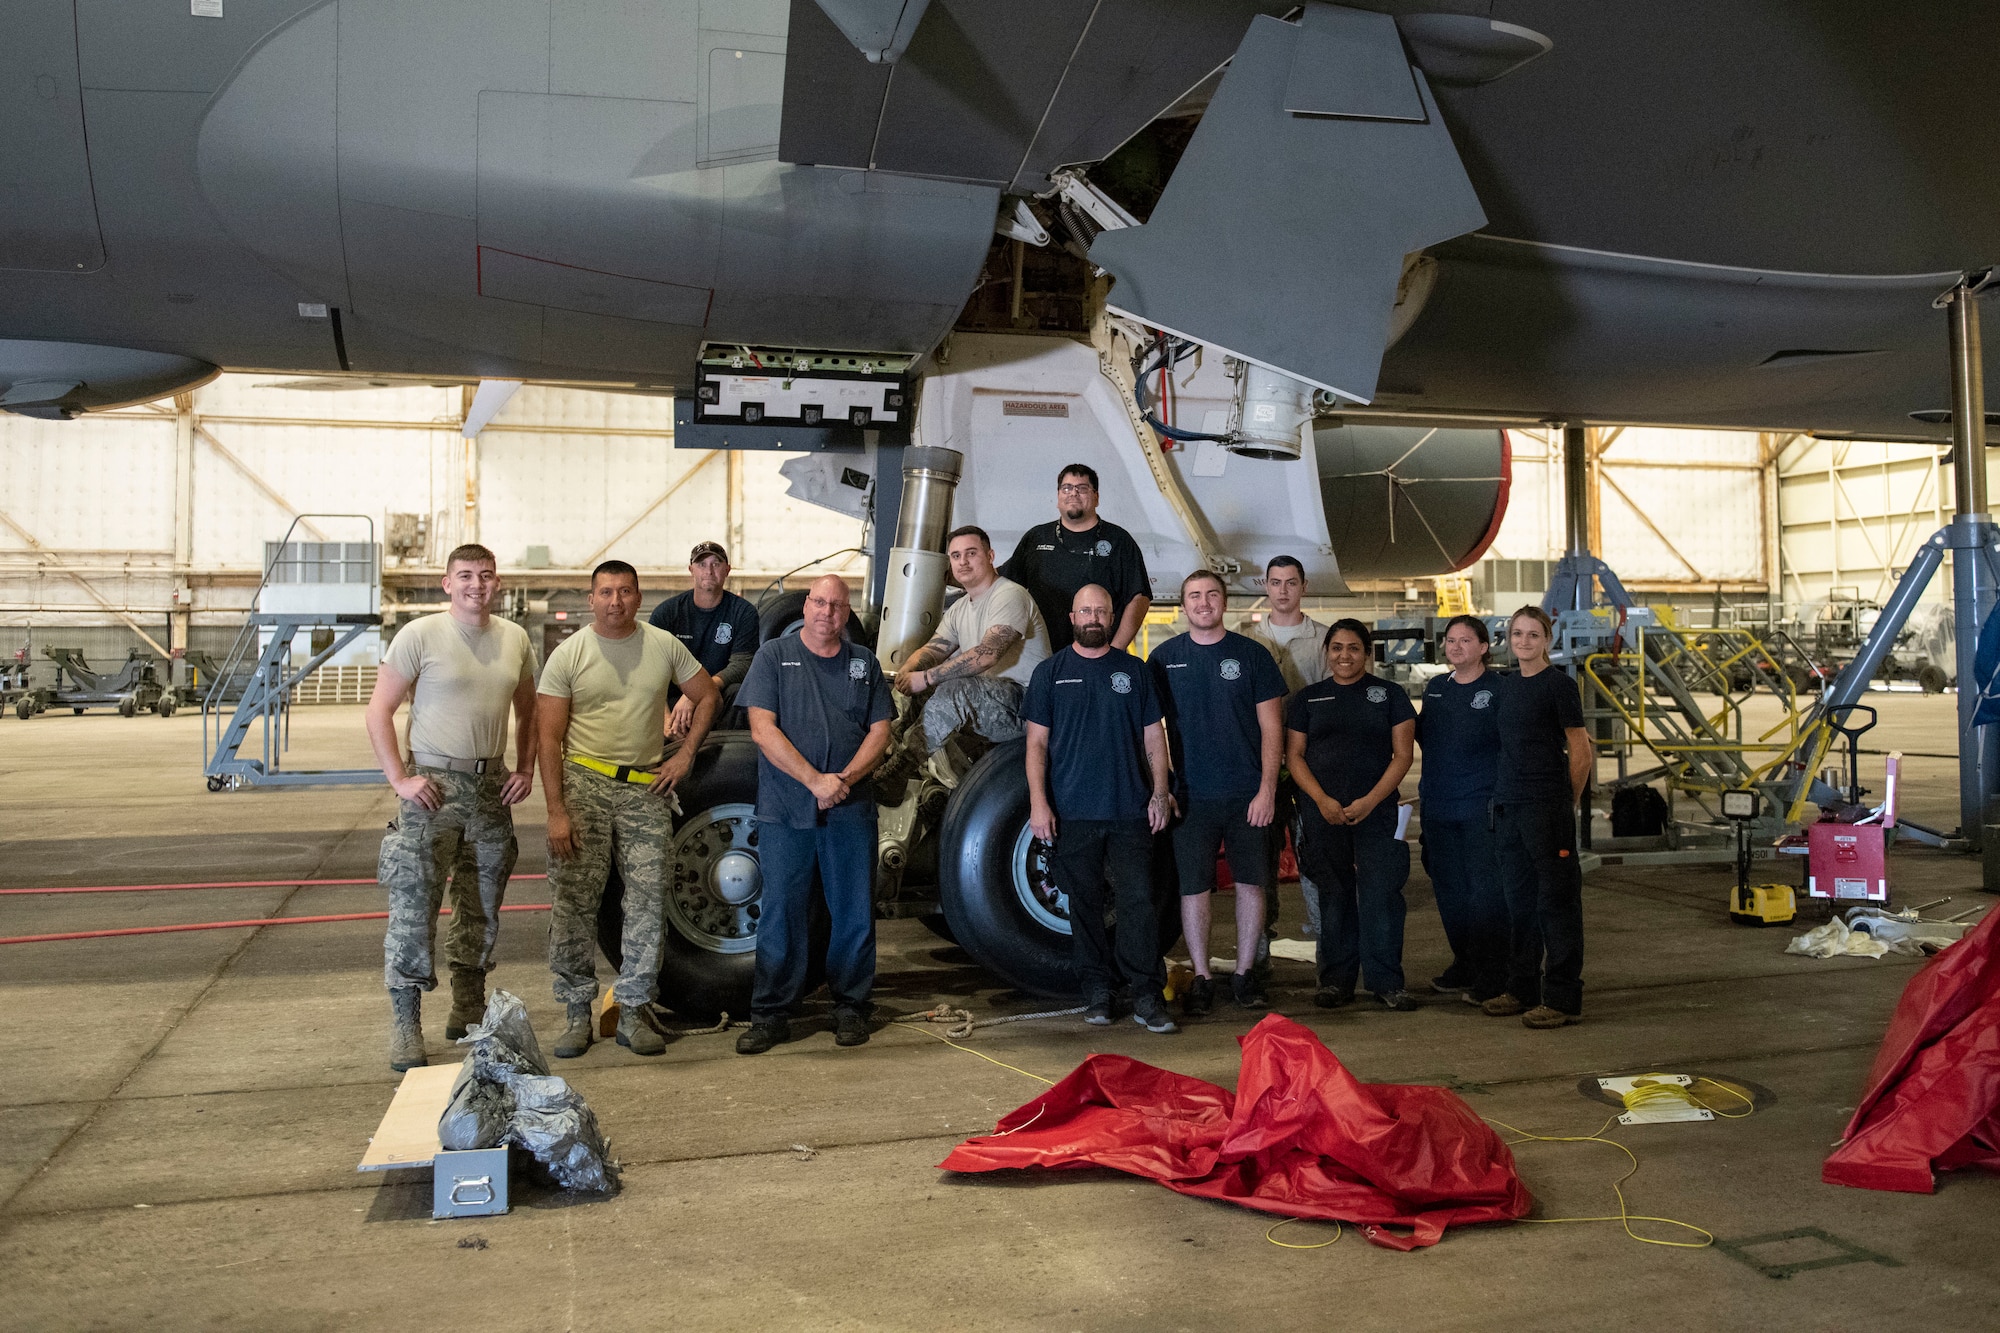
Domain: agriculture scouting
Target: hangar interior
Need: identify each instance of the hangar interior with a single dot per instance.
(1463, 305)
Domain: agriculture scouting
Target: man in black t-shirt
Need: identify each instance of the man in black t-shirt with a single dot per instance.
(712, 623)
(1056, 560)
(1097, 792)
(1224, 700)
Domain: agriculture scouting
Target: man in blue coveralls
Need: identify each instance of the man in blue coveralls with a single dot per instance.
(1097, 792)
(819, 711)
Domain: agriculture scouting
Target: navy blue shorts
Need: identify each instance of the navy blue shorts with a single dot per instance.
(1209, 826)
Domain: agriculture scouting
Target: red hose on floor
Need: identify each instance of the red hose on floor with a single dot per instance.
(228, 925)
(212, 884)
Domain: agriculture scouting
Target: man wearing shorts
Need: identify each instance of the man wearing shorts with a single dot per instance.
(1223, 696)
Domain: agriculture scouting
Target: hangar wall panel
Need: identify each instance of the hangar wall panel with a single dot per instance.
(563, 468)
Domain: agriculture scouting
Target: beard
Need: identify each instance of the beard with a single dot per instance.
(1093, 636)
(1073, 512)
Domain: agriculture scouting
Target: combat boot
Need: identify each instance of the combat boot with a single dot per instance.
(575, 1039)
(635, 1033)
(468, 1003)
(406, 1040)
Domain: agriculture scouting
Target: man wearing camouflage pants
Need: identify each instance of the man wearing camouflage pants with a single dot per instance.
(982, 657)
(602, 714)
(462, 671)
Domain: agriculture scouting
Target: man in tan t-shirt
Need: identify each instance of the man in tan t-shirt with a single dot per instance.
(984, 652)
(602, 717)
(463, 672)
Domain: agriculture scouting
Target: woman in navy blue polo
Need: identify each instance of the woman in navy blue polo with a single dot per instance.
(1459, 730)
(1349, 741)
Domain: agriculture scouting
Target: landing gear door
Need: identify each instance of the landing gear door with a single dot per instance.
(1321, 162)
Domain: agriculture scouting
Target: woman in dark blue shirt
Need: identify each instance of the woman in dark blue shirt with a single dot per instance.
(1545, 761)
(1349, 741)
(1459, 730)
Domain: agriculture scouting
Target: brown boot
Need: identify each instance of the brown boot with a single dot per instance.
(468, 1003)
(406, 1039)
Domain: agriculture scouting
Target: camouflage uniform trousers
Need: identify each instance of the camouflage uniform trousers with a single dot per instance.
(991, 703)
(468, 842)
(609, 818)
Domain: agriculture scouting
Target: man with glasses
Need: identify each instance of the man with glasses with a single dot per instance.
(1097, 793)
(819, 711)
(1056, 560)
(601, 714)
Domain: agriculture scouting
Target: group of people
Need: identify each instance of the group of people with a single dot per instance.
(611, 727)
(1226, 738)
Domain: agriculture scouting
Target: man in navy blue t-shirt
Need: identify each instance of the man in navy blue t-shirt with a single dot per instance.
(1224, 699)
(1097, 792)
(819, 710)
(712, 623)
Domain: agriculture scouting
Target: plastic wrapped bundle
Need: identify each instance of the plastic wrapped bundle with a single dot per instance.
(505, 1094)
(478, 1114)
(552, 1121)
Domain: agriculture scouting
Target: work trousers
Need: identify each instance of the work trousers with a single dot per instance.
(1360, 870)
(992, 704)
(843, 851)
(1108, 863)
(1465, 877)
(466, 843)
(609, 820)
(1536, 846)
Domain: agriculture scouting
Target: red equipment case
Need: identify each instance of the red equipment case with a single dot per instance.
(1847, 862)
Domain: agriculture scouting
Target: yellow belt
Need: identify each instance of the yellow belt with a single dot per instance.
(616, 772)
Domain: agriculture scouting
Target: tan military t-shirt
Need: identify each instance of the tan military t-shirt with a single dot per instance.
(1300, 650)
(1004, 602)
(465, 682)
(617, 691)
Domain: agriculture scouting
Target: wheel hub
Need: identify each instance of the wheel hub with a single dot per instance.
(735, 878)
(713, 879)
(1034, 882)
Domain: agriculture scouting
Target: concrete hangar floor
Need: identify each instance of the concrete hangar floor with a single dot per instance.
(181, 1114)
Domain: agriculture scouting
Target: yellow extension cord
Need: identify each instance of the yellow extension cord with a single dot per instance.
(1642, 1094)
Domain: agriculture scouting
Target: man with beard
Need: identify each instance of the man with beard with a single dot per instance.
(1055, 560)
(1224, 692)
(1097, 792)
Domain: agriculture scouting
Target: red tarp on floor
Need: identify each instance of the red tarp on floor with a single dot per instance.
(1933, 1100)
(1300, 1136)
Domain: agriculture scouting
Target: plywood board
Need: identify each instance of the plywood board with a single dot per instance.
(408, 1134)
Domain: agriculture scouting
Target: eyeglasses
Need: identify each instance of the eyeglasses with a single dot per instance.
(1076, 488)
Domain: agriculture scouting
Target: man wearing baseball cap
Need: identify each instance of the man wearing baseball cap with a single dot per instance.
(714, 624)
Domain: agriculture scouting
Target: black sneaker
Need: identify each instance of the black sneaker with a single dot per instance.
(1199, 999)
(1399, 1000)
(1149, 1013)
(762, 1035)
(1248, 991)
(1448, 985)
(849, 1028)
(1098, 1015)
(1332, 997)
